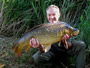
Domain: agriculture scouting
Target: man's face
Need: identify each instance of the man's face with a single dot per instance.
(53, 15)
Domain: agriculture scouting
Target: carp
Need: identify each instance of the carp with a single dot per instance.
(46, 34)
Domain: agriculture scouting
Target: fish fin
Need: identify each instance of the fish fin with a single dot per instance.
(28, 47)
(66, 44)
(35, 27)
(17, 51)
(59, 44)
(47, 48)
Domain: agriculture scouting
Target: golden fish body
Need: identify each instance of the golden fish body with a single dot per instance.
(46, 34)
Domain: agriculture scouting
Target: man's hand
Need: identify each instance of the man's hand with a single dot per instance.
(35, 44)
(66, 37)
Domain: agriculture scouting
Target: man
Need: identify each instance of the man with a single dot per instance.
(57, 54)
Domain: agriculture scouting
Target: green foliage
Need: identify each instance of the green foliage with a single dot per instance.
(26, 10)
(84, 26)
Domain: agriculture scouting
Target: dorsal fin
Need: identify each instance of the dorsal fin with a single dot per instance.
(35, 27)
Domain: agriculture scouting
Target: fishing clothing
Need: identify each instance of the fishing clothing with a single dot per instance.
(57, 56)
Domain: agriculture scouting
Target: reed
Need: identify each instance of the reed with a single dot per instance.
(21, 15)
(84, 27)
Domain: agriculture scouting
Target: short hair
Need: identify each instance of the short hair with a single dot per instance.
(53, 6)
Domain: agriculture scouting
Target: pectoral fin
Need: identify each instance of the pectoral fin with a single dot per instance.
(28, 47)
